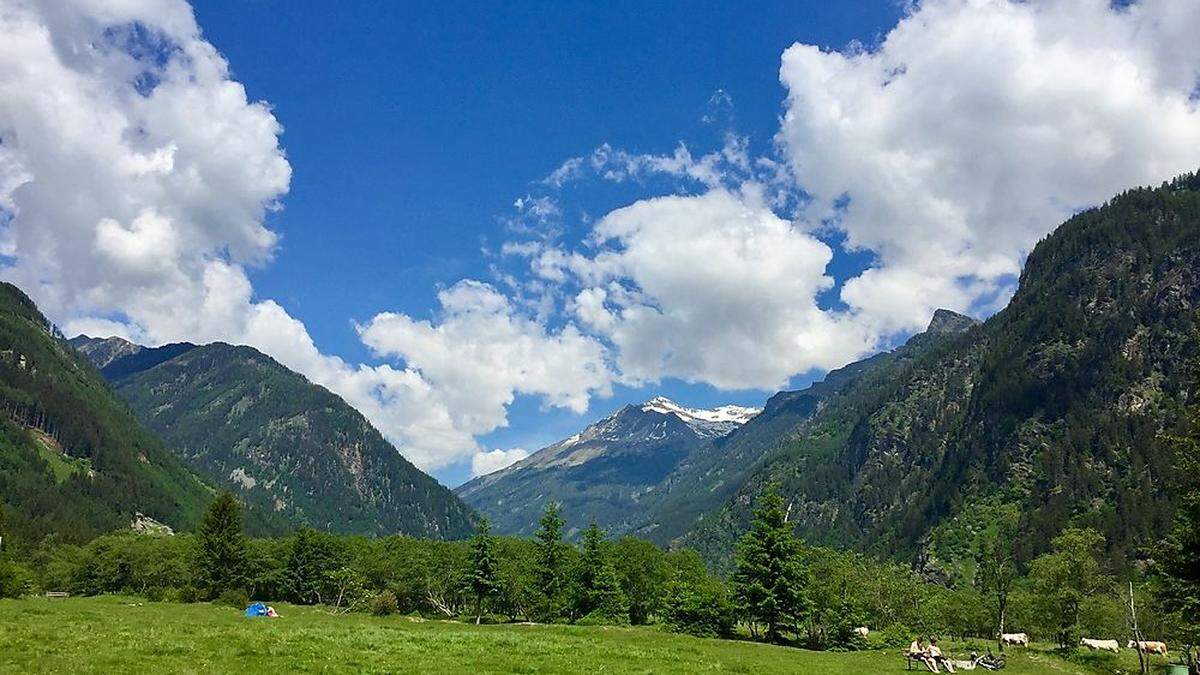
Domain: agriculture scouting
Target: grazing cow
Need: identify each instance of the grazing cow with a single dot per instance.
(1149, 646)
(1101, 645)
(1018, 639)
(862, 632)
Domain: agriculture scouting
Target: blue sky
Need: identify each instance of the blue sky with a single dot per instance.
(486, 226)
(411, 130)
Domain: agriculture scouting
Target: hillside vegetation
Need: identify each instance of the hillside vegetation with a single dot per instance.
(286, 445)
(1059, 407)
(73, 461)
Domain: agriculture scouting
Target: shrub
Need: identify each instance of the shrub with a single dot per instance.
(384, 603)
(894, 636)
(190, 594)
(234, 597)
(702, 609)
(164, 594)
(15, 579)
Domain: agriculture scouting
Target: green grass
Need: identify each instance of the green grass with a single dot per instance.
(62, 465)
(117, 634)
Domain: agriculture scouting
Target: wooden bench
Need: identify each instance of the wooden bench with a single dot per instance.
(57, 594)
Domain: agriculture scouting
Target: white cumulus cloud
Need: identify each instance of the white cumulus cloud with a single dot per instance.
(710, 288)
(482, 351)
(483, 463)
(135, 179)
(976, 126)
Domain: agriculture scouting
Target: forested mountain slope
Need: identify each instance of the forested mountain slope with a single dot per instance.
(250, 425)
(73, 460)
(1055, 409)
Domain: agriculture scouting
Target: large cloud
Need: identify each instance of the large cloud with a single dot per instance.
(483, 351)
(976, 126)
(135, 177)
(713, 288)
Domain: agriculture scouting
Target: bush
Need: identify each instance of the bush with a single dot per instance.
(15, 579)
(893, 637)
(701, 609)
(190, 594)
(234, 597)
(1100, 662)
(167, 594)
(383, 604)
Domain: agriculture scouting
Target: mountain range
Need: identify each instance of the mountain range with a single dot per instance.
(1056, 410)
(247, 424)
(604, 473)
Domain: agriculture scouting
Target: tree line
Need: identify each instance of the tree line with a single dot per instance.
(780, 590)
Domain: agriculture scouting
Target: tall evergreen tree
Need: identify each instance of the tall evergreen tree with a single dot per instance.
(551, 560)
(313, 558)
(220, 563)
(484, 579)
(598, 594)
(771, 582)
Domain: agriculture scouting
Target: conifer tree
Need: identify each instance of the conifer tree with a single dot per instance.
(598, 590)
(770, 582)
(551, 559)
(220, 563)
(313, 559)
(484, 578)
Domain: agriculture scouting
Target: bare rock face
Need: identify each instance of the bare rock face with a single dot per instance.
(103, 351)
(143, 524)
(946, 321)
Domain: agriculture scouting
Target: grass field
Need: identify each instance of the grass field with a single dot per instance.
(118, 635)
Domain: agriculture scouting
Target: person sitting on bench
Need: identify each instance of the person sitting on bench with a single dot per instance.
(935, 655)
(918, 652)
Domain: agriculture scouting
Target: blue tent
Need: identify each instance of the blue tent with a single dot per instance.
(256, 609)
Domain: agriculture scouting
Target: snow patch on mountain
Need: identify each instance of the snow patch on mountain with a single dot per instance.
(706, 422)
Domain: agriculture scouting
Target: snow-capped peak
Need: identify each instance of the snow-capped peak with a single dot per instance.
(711, 422)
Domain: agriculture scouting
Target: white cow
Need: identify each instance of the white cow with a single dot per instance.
(1149, 646)
(1101, 645)
(1019, 639)
(862, 632)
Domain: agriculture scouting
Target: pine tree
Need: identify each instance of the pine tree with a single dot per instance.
(771, 582)
(220, 563)
(484, 578)
(313, 559)
(598, 595)
(551, 559)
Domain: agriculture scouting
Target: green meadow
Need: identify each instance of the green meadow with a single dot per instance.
(116, 634)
